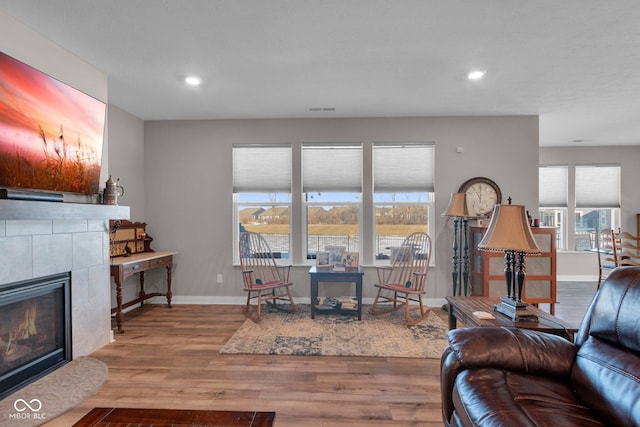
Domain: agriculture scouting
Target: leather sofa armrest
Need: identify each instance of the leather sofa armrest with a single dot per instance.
(449, 370)
(512, 349)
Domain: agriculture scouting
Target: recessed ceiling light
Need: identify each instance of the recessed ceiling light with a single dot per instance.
(476, 74)
(193, 81)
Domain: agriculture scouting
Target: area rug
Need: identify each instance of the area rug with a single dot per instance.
(332, 334)
(53, 394)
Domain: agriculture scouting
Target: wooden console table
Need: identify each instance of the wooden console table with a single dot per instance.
(462, 309)
(123, 267)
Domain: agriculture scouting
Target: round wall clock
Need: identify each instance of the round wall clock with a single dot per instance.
(482, 195)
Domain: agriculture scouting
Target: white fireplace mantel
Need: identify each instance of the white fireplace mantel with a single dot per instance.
(36, 210)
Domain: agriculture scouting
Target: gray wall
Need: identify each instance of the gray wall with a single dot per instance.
(188, 184)
(127, 158)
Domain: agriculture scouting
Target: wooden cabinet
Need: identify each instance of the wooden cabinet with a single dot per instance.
(487, 279)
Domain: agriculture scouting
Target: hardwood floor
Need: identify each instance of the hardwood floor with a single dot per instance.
(573, 300)
(168, 359)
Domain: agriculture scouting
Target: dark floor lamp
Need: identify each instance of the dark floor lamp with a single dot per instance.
(509, 232)
(459, 211)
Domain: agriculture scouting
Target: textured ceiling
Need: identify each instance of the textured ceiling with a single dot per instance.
(575, 63)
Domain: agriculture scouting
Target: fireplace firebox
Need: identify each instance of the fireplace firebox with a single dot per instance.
(35, 329)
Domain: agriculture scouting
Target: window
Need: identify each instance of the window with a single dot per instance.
(596, 191)
(332, 186)
(553, 190)
(303, 197)
(556, 218)
(403, 193)
(597, 202)
(262, 194)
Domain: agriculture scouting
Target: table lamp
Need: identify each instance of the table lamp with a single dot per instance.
(509, 232)
(459, 211)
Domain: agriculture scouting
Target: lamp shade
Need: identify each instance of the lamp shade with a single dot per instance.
(509, 230)
(458, 206)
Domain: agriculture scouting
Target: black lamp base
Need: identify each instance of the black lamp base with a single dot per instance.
(515, 310)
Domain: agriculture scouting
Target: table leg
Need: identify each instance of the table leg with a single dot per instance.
(314, 296)
(359, 296)
(141, 294)
(169, 292)
(119, 305)
(452, 318)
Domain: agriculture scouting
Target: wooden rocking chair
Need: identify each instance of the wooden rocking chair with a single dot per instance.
(264, 280)
(404, 280)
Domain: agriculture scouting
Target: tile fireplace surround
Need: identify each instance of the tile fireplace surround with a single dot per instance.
(42, 238)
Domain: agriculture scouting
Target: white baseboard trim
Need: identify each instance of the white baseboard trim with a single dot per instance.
(577, 278)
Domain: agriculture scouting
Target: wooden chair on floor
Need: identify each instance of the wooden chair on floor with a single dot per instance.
(629, 252)
(404, 280)
(607, 253)
(264, 280)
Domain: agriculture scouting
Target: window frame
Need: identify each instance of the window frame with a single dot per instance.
(552, 196)
(396, 158)
(283, 176)
(607, 195)
(330, 168)
(569, 239)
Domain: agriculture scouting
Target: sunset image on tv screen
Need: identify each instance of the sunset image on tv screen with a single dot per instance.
(51, 134)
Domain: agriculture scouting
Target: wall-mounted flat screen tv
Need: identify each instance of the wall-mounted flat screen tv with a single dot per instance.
(51, 134)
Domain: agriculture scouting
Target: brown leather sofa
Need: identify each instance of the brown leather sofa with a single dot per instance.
(515, 377)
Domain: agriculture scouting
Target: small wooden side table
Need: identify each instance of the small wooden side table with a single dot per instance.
(462, 309)
(318, 275)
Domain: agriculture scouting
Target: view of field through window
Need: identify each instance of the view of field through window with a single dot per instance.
(337, 226)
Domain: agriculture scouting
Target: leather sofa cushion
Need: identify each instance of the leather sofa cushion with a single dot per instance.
(606, 373)
(494, 397)
(605, 376)
(615, 314)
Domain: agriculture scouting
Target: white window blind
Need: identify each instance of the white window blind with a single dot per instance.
(261, 169)
(552, 189)
(403, 167)
(331, 168)
(598, 186)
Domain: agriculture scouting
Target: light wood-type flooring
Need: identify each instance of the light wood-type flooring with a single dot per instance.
(168, 358)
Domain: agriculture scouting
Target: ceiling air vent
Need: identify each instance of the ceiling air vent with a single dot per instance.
(322, 109)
